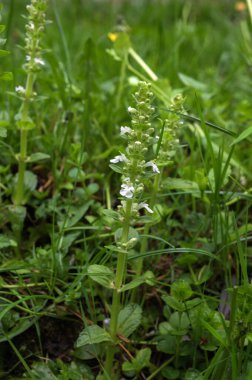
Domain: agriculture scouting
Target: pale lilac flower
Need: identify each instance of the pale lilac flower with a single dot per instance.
(120, 158)
(125, 130)
(132, 110)
(127, 190)
(39, 61)
(146, 206)
(20, 89)
(153, 166)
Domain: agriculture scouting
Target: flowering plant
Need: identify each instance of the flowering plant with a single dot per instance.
(135, 168)
(34, 31)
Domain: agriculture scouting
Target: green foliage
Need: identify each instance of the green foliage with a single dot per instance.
(129, 319)
(92, 335)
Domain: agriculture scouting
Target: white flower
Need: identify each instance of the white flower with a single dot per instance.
(153, 166)
(120, 158)
(125, 130)
(28, 58)
(132, 110)
(31, 25)
(20, 89)
(39, 61)
(127, 190)
(146, 206)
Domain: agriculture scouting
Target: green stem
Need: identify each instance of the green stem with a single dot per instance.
(119, 279)
(24, 114)
(159, 369)
(144, 242)
(141, 63)
(121, 80)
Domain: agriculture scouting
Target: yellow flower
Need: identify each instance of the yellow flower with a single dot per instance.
(113, 36)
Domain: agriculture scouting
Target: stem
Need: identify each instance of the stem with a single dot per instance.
(24, 111)
(120, 273)
(159, 369)
(121, 80)
(144, 242)
(141, 63)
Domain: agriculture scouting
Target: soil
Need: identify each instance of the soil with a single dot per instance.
(57, 338)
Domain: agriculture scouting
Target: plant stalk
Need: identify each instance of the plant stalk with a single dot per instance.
(119, 279)
(144, 242)
(24, 114)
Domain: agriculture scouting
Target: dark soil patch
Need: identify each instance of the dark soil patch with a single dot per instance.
(56, 341)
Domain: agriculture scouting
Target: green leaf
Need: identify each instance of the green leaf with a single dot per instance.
(5, 242)
(214, 332)
(75, 214)
(122, 44)
(242, 136)
(193, 374)
(3, 132)
(191, 82)
(92, 335)
(143, 358)
(35, 157)
(173, 303)
(3, 53)
(180, 184)
(181, 290)
(133, 284)
(101, 274)
(141, 361)
(30, 181)
(4, 123)
(170, 373)
(116, 168)
(2, 41)
(6, 76)
(2, 28)
(147, 278)
(129, 319)
(167, 344)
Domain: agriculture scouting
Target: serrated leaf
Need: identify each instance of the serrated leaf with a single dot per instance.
(38, 157)
(129, 319)
(181, 290)
(173, 303)
(92, 335)
(143, 358)
(102, 275)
